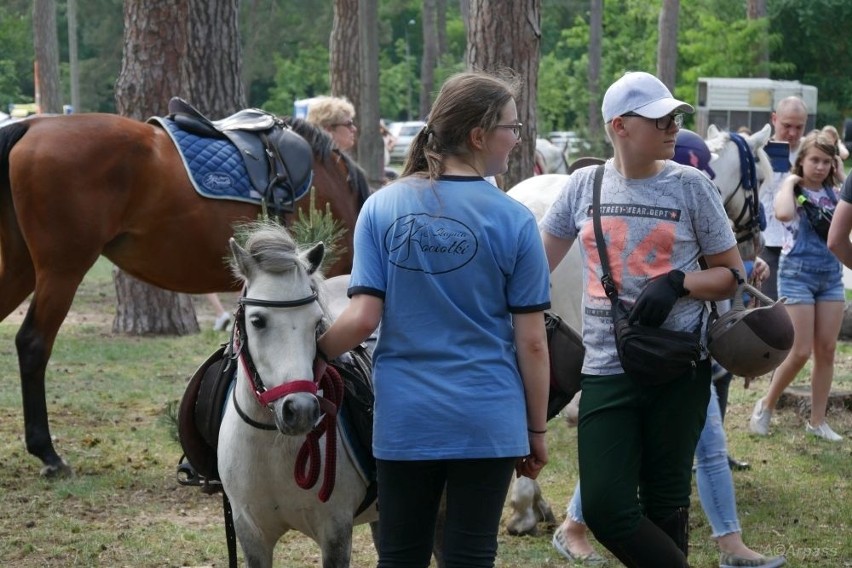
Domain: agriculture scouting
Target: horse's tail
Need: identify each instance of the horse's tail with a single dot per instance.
(9, 136)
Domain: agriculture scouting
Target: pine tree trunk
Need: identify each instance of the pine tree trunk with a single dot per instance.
(507, 35)
(596, 130)
(345, 57)
(167, 53)
(430, 56)
(667, 43)
(370, 142)
(755, 10)
(46, 45)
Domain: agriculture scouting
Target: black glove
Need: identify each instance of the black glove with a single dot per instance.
(656, 301)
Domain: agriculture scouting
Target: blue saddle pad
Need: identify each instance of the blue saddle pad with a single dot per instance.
(216, 167)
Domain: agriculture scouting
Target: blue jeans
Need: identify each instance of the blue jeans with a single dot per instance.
(714, 479)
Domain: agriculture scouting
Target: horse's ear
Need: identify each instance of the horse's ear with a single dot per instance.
(313, 256)
(242, 259)
(761, 137)
(712, 131)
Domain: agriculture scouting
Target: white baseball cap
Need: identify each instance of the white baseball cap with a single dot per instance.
(643, 94)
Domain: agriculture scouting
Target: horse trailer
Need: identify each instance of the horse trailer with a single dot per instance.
(733, 103)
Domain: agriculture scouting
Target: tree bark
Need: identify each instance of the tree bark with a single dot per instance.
(430, 56)
(441, 25)
(595, 58)
(371, 143)
(46, 42)
(667, 43)
(507, 36)
(344, 54)
(167, 53)
(755, 10)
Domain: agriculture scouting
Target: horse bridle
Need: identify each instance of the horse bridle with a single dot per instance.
(326, 378)
(747, 222)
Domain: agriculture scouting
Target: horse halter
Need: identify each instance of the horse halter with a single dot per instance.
(747, 222)
(263, 395)
(307, 467)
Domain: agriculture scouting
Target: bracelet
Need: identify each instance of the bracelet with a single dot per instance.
(531, 431)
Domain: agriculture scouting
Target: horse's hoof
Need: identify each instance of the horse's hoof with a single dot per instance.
(522, 525)
(57, 471)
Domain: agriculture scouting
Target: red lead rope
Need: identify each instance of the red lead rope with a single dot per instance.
(306, 471)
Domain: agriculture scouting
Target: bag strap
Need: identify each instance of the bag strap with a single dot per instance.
(606, 278)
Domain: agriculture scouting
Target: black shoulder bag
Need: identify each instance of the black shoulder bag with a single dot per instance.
(650, 355)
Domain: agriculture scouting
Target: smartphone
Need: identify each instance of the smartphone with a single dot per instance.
(779, 155)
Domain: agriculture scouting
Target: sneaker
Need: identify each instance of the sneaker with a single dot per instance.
(222, 322)
(727, 560)
(759, 423)
(823, 431)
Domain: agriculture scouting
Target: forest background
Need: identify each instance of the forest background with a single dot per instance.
(285, 50)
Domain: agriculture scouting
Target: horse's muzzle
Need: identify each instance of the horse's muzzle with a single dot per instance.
(296, 414)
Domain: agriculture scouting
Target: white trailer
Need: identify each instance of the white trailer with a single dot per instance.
(731, 103)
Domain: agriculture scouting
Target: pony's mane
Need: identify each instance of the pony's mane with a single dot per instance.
(717, 143)
(323, 146)
(271, 247)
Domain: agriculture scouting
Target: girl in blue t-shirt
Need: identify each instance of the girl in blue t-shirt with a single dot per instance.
(455, 272)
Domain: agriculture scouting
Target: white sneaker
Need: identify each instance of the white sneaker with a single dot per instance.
(222, 322)
(823, 431)
(760, 417)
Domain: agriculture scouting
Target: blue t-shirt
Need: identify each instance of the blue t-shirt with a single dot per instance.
(452, 260)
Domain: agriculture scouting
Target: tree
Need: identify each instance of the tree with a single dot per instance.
(667, 43)
(167, 53)
(430, 56)
(756, 10)
(344, 51)
(371, 143)
(507, 35)
(46, 44)
(595, 56)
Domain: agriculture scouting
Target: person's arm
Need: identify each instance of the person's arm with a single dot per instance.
(716, 282)
(555, 248)
(358, 320)
(785, 199)
(534, 365)
(838, 233)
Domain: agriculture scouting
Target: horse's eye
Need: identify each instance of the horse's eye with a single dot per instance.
(257, 322)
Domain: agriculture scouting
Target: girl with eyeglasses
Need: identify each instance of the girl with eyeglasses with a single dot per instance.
(455, 271)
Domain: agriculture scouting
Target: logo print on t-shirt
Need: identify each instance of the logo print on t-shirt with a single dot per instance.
(429, 244)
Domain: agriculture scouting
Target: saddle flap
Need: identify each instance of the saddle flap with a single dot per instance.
(296, 157)
(201, 409)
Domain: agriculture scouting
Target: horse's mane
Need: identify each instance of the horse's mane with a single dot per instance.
(323, 147)
(717, 144)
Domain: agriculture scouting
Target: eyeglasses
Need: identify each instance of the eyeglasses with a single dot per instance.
(348, 124)
(515, 128)
(662, 123)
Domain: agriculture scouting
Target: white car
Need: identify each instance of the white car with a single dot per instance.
(570, 143)
(404, 132)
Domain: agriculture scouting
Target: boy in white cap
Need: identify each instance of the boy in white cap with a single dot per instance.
(658, 219)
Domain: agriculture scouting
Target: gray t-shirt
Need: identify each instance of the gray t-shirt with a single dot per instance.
(651, 226)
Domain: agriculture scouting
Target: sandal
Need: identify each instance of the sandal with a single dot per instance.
(591, 559)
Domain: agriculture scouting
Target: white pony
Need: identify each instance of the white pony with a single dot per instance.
(274, 410)
(732, 168)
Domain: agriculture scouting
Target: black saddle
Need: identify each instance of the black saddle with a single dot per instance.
(273, 154)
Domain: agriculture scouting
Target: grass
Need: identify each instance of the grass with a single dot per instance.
(108, 398)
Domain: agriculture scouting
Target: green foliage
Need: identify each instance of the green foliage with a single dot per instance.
(16, 71)
(319, 226)
(303, 76)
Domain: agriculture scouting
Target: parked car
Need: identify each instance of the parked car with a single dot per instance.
(404, 132)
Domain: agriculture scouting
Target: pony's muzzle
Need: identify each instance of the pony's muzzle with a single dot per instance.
(296, 414)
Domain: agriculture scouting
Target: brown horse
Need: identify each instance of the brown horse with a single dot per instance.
(75, 187)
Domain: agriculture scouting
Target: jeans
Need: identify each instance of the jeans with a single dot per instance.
(713, 476)
(409, 495)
